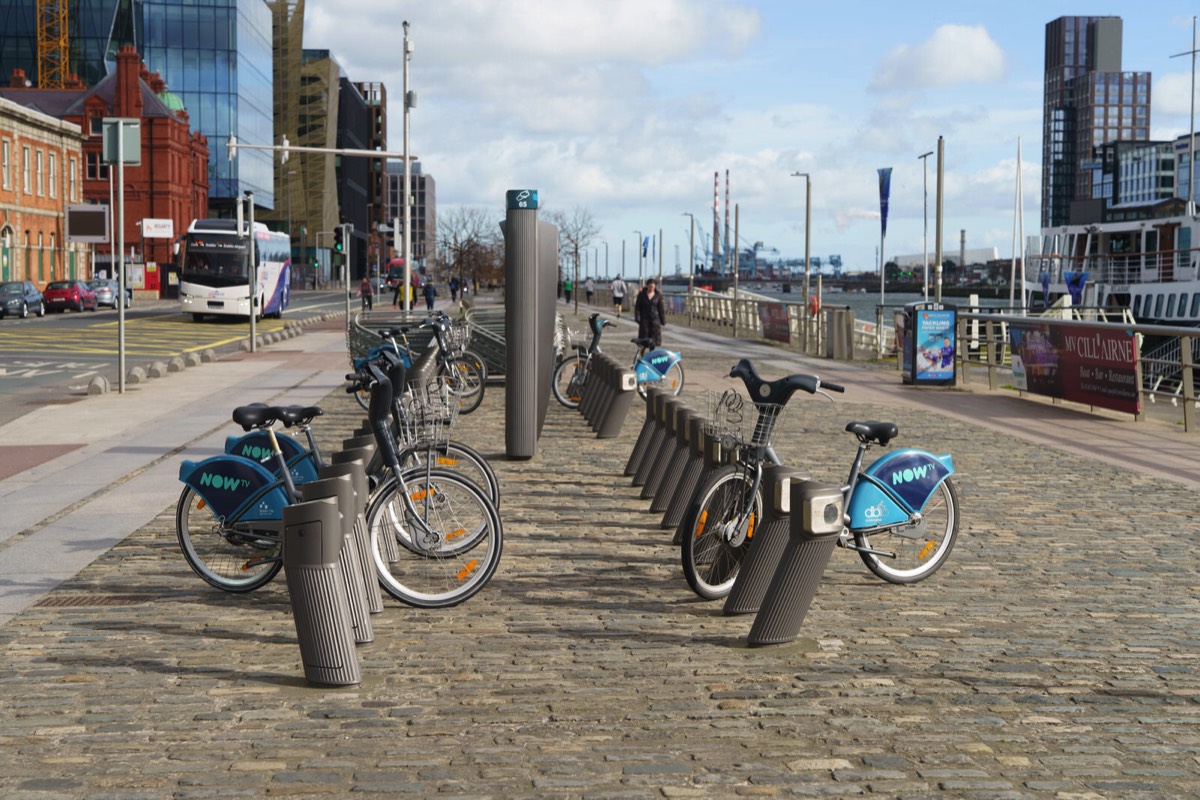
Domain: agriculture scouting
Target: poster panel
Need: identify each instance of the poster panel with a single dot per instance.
(1087, 364)
(774, 319)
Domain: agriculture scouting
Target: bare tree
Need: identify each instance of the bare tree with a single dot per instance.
(469, 238)
(576, 230)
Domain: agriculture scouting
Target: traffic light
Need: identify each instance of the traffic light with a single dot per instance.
(338, 245)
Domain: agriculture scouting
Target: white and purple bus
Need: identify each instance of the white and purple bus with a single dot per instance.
(215, 275)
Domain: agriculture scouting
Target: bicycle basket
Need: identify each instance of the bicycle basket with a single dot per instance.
(458, 336)
(738, 422)
(427, 412)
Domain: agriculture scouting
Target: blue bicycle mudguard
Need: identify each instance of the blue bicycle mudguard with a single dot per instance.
(900, 483)
(373, 353)
(654, 365)
(256, 446)
(229, 483)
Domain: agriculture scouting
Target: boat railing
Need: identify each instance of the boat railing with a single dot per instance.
(1120, 269)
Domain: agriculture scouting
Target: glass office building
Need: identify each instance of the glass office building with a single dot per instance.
(215, 55)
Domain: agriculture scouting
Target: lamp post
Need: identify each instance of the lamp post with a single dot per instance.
(607, 274)
(638, 245)
(807, 262)
(407, 250)
(691, 251)
(924, 158)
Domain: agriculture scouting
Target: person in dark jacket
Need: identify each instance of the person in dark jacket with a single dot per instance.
(649, 313)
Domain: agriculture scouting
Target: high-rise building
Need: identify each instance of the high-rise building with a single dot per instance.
(423, 196)
(1088, 101)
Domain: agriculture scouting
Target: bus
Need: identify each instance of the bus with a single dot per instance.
(214, 276)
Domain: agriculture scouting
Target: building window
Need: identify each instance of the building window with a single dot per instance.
(26, 172)
(41, 175)
(5, 165)
(53, 176)
(97, 170)
(73, 177)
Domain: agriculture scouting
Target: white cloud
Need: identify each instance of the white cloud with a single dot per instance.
(953, 55)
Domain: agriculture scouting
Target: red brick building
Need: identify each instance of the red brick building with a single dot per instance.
(170, 184)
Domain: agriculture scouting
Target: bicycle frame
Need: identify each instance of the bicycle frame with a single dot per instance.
(894, 489)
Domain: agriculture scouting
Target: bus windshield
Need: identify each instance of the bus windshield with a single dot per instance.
(213, 262)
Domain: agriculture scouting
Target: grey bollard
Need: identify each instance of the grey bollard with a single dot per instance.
(689, 473)
(639, 447)
(312, 537)
(676, 447)
(595, 389)
(364, 454)
(362, 440)
(362, 536)
(767, 545)
(606, 391)
(817, 511)
(623, 385)
(349, 560)
(657, 437)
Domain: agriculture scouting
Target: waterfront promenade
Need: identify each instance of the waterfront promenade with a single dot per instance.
(1054, 656)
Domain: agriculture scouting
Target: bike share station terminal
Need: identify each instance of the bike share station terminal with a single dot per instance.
(926, 333)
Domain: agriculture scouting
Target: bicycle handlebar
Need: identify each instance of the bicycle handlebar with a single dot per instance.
(780, 390)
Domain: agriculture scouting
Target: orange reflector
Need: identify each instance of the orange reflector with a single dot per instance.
(750, 527)
(444, 461)
(456, 534)
(200, 506)
(700, 523)
(420, 495)
(926, 550)
(466, 571)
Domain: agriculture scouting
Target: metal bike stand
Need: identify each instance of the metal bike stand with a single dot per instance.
(639, 447)
(605, 391)
(767, 545)
(391, 549)
(623, 385)
(591, 395)
(715, 455)
(663, 405)
(355, 442)
(312, 538)
(676, 451)
(362, 536)
(817, 510)
(689, 473)
(349, 562)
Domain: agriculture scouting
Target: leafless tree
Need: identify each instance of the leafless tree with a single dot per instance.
(576, 230)
(470, 240)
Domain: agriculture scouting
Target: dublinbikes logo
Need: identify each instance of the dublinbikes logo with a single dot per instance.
(910, 474)
(226, 482)
(256, 453)
(874, 513)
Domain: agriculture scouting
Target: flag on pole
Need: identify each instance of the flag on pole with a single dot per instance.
(885, 189)
(645, 245)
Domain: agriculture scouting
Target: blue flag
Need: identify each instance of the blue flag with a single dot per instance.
(885, 189)
(645, 245)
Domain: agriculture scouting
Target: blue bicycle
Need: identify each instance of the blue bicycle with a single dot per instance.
(652, 365)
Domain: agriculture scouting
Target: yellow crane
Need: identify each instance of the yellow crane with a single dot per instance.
(52, 48)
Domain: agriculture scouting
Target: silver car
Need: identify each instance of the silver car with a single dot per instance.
(19, 298)
(106, 292)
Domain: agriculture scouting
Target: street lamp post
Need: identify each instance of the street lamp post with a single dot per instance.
(691, 261)
(638, 246)
(807, 260)
(924, 158)
(407, 252)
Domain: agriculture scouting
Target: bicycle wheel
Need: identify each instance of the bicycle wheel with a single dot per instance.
(467, 463)
(477, 360)
(362, 396)
(921, 547)
(468, 539)
(672, 382)
(569, 377)
(228, 559)
(465, 383)
(714, 543)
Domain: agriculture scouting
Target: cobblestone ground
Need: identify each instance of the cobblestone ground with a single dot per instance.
(1054, 655)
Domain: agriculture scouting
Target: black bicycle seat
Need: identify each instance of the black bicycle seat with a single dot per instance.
(881, 432)
(297, 415)
(255, 415)
(777, 391)
(643, 342)
(392, 333)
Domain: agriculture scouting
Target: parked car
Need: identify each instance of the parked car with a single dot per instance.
(107, 291)
(19, 298)
(61, 295)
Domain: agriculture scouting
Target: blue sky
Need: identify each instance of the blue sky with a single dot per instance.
(627, 107)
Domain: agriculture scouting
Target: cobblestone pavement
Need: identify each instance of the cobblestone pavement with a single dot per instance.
(1054, 656)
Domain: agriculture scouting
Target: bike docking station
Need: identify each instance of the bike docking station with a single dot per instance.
(813, 531)
(768, 543)
(312, 541)
(355, 470)
(664, 408)
(607, 396)
(530, 256)
(690, 470)
(643, 439)
(349, 559)
(674, 454)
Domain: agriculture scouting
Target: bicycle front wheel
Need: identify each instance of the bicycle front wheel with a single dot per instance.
(465, 382)
(229, 559)
(920, 548)
(467, 539)
(464, 461)
(718, 531)
(672, 382)
(569, 377)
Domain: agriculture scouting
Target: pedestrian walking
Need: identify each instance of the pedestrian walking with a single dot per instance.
(618, 289)
(430, 292)
(453, 288)
(649, 313)
(568, 286)
(589, 287)
(367, 292)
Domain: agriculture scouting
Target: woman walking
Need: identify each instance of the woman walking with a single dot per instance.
(650, 313)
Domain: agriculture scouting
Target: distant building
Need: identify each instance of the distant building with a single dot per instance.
(1088, 101)
(423, 196)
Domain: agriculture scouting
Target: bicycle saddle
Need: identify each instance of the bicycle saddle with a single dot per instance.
(647, 343)
(777, 391)
(882, 432)
(392, 333)
(255, 415)
(298, 415)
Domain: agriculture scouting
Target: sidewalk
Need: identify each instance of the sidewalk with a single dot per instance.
(1052, 657)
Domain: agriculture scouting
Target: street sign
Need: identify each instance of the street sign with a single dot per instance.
(158, 228)
(130, 148)
(521, 199)
(87, 223)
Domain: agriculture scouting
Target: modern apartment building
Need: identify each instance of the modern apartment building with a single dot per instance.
(423, 196)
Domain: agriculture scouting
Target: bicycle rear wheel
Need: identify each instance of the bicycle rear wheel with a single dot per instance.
(467, 530)
(672, 381)
(228, 559)
(920, 548)
(465, 382)
(714, 543)
(466, 462)
(569, 377)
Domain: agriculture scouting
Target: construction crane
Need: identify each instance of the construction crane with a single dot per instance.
(52, 49)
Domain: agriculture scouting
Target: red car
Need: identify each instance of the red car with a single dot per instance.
(61, 295)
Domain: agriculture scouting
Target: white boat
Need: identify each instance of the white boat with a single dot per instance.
(1150, 266)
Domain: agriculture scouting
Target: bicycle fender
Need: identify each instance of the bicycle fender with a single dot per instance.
(900, 483)
(256, 446)
(654, 365)
(228, 483)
